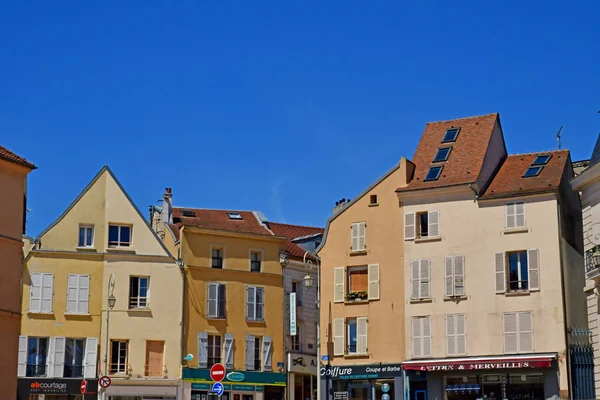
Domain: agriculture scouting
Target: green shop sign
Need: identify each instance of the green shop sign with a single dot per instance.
(236, 378)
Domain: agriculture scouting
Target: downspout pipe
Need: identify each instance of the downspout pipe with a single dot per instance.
(181, 267)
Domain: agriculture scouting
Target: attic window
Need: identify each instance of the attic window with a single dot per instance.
(188, 213)
(234, 215)
(532, 171)
(442, 154)
(433, 174)
(451, 135)
(541, 160)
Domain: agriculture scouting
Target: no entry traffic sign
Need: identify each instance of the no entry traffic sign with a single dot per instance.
(104, 381)
(83, 386)
(217, 372)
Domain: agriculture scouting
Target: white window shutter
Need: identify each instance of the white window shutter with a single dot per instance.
(409, 226)
(229, 346)
(525, 332)
(50, 357)
(354, 237)
(461, 334)
(47, 292)
(425, 293)
(202, 350)
(84, 294)
(510, 333)
(338, 282)
(500, 273)
(260, 304)
(58, 367)
(35, 293)
(362, 236)
(510, 216)
(426, 326)
(250, 303)
(249, 353)
(449, 277)
(433, 219)
(362, 330)
(416, 337)
(373, 281)
(338, 336)
(415, 279)
(533, 263)
(267, 352)
(22, 361)
(72, 293)
(520, 215)
(212, 300)
(459, 275)
(90, 358)
(450, 335)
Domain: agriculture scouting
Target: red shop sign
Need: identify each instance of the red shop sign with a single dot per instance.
(478, 365)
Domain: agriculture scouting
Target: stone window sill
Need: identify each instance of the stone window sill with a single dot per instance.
(415, 301)
(516, 230)
(40, 312)
(455, 298)
(428, 239)
(358, 252)
(356, 355)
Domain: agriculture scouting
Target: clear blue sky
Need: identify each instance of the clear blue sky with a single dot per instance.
(279, 106)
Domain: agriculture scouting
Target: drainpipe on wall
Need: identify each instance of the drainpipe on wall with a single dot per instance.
(182, 269)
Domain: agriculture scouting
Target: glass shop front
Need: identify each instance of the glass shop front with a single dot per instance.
(362, 382)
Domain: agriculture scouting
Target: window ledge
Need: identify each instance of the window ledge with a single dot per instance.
(358, 252)
(217, 318)
(72, 314)
(40, 312)
(120, 250)
(428, 239)
(252, 321)
(516, 230)
(455, 298)
(356, 355)
(519, 293)
(356, 301)
(414, 301)
(139, 309)
(373, 204)
(86, 248)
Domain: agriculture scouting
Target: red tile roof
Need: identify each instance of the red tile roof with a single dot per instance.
(292, 232)
(509, 180)
(12, 157)
(466, 157)
(218, 219)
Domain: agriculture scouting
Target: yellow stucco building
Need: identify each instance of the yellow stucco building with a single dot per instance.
(233, 309)
(99, 248)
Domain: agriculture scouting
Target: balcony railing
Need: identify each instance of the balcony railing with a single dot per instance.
(157, 371)
(139, 302)
(34, 370)
(73, 371)
(591, 269)
(119, 369)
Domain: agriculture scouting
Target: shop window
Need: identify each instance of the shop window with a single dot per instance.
(525, 386)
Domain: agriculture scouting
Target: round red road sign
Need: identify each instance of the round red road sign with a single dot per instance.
(217, 372)
(83, 386)
(104, 381)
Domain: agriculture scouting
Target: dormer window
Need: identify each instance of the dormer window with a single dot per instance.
(532, 171)
(233, 215)
(442, 154)
(188, 213)
(542, 160)
(433, 174)
(451, 135)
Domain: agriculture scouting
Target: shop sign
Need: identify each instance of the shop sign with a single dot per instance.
(478, 365)
(34, 386)
(302, 363)
(373, 371)
(293, 326)
(340, 395)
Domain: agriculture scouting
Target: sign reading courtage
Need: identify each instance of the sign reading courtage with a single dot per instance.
(34, 386)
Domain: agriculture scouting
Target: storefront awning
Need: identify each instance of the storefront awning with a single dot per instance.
(482, 363)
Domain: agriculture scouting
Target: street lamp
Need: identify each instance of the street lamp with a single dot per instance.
(111, 302)
(308, 282)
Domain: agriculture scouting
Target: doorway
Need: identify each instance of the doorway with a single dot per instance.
(420, 395)
(359, 391)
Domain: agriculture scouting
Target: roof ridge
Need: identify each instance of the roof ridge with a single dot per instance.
(462, 118)
(295, 225)
(537, 152)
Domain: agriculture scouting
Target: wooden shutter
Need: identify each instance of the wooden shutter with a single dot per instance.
(338, 284)
(533, 264)
(229, 351)
(22, 360)
(202, 350)
(424, 293)
(212, 300)
(461, 334)
(451, 335)
(525, 332)
(58, 357)
(49, 357)
(84, 294)
(250, 303)
(520, 215)
(510, 333)
(449, 277)
(510, 216)
(35, 293)
(409, 226)
(338, 336)
(354, 237)
(72, 293)
(459, 275)
(433, 219)
(415, 280)
(90, 358)
(426, 335)
(249, 353)
(500, 273)
(362, 236)
(361, 335)
(47, 292)
(374, 282)
(416, 337)
(267, 352)
(155, 351)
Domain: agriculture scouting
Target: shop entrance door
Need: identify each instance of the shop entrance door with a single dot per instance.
(420, 395)
(359, 392)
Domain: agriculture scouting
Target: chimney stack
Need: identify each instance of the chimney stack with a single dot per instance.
(340, 205)
(167, 210)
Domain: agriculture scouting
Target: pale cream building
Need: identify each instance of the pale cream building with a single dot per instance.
(492, 261)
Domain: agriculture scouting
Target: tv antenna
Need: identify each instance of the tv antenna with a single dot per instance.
(558, 137)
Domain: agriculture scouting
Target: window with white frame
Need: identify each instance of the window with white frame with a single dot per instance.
(422, 225)
(118, 357)
(456, 335)
(420, 279)
(216, 300)
(214, 349)
(41, 291)
(37, 353)
(217, 257)
(454, 277)
(518, 332)
(139, 292)
(255, 260)
(421, 336)
(517, 271)
(255, 303)
(358, 236)
(78, 293)
(351, 336)
(86, 236)
(119, 235)
(296, 339)
(515, 215)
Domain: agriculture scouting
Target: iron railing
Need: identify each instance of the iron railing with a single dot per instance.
(73, 371)
(34, 370)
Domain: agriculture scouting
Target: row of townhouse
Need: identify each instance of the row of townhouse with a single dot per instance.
(457, 276)
(153, 305)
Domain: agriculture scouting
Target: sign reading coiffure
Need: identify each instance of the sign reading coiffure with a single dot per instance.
(34, 386)
(372, 371)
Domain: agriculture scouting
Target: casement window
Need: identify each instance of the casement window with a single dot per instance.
(296, 340)
(517, 271)
(363, 283)
(350, 336)
(78, 293)
(214, 349)
(139, 292)
(454, 276)
(217, 257)
(119, 235)
(515, 215)
(422, 225)
(358, 236)
(74, 358)
(297, 288)
(41, 292)
(57, 357)
(518, 332)
(255, 260)
(36, 355)
(155, 353)
(255, 303)
(358, 283)
(420, 279)
(456, 335)
(216, 300)
(118, 357)
(86, 236)
(258, 353)
(421, 336)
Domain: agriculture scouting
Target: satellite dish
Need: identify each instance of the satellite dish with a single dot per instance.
(189, 357)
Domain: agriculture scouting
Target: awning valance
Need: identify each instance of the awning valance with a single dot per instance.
(481, 363)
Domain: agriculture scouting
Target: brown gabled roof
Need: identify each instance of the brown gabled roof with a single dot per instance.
(509, 181)
(466, 157)
(12, 157)
(218, 219)
(293, 232)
